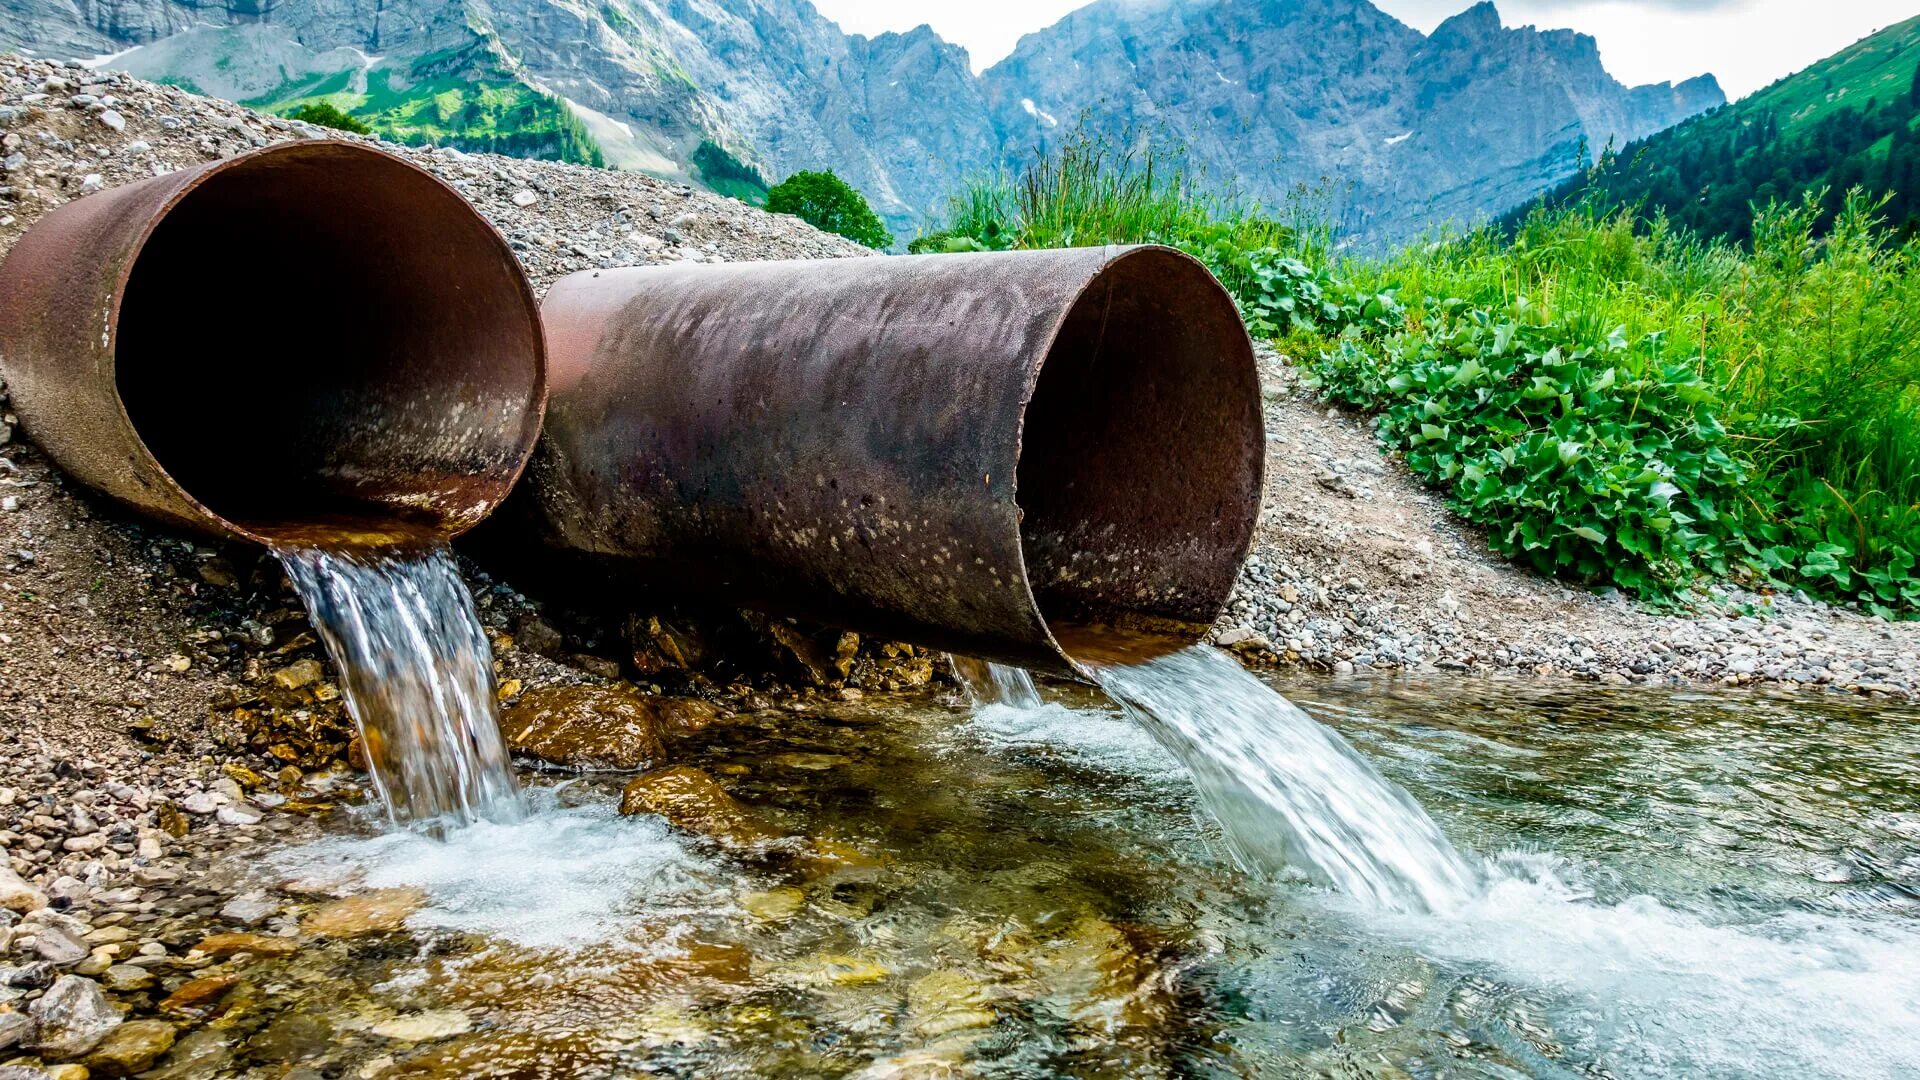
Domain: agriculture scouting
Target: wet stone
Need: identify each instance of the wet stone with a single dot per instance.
(690, 799)
(586, 727)
(220, 946)
(375, 912)
(72, 1018)
(131, 1048)
(198, 997)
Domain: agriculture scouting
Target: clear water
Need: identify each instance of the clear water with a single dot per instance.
(416, 670)
(988, 683)
(1290, 795)
(1673, 885)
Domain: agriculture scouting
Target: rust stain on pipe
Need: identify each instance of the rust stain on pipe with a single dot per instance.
(256, 346)
(972, 452)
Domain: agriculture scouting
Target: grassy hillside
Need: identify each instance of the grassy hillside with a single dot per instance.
(1847, 122)
(463, 99)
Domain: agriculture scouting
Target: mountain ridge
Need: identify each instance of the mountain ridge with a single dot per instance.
(1409, 128)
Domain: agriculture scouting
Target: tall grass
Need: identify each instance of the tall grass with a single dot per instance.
(1757, 409)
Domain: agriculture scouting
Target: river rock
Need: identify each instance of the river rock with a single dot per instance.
(14, 1027)
(56, 947)
(374, 912)
(131, 1048)
(16, 894)
(197, 998)
(127, 978)
(591, 727)
(249, 910)
(220, 946)
(71, 1018)
(694, 801)
(422, 1027)
(944, 1002)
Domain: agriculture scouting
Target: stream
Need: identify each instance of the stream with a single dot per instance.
(1667, 884)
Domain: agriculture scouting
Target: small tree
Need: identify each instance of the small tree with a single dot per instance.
(827, 202)
(326, 114)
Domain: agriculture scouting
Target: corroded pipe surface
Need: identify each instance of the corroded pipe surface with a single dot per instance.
(973, 452)
(306, 334)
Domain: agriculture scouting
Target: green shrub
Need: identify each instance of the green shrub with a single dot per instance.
(827, 202)
(1594, 463)
(324, 114)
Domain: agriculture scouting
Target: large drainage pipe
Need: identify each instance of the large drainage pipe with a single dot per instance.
(987, 453)
(313, 335)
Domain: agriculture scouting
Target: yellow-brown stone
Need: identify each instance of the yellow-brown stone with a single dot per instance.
(374, 912)
(597, 727)
(694, 801)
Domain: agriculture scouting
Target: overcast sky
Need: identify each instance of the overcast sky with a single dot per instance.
(1747, 43)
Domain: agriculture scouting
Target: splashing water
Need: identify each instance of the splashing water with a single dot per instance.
(1289, 792)
(417, 675)
(988, 683)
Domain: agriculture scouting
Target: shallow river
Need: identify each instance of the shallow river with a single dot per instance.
(1674, 884)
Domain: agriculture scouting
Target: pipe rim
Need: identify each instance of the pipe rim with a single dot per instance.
(219, 523)
(1242, 354)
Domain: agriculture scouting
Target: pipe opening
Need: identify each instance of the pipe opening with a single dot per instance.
(1141, 457)
(322, 332)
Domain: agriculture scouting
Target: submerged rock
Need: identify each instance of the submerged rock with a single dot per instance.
(944, 1002)
(219, 946)
(131, 1048)
(198, 998)
(71, 1018)
(694, 801)
(375, 912)
(589, 727)
(421, 1027)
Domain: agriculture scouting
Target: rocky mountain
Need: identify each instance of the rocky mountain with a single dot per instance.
(1402, 128)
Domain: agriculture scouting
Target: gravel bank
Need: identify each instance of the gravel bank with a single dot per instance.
(1359, 566)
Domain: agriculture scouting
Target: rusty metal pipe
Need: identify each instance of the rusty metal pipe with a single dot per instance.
(973, 452)
(257, 346)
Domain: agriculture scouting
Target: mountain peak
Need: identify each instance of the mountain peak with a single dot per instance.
(1482, 20)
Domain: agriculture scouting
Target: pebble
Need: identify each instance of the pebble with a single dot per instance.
(524, 198)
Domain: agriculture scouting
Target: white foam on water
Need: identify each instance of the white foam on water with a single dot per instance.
(1669, 993)
(1093, 738)
(563, 877)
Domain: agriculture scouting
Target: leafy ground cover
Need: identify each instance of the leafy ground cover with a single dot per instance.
(1617, 401)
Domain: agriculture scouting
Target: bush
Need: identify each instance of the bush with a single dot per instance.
(1598, 464)
(827, 202)
(324, 114)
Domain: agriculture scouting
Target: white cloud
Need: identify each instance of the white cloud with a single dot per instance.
(1746, 43)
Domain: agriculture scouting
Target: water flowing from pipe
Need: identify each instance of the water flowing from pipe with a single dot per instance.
(988, 683)
(1288, 791)
(416, 670)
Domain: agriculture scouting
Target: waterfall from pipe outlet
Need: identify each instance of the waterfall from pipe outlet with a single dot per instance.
(416, 671)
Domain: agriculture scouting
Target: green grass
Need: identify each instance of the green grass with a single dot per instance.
(1618, 402)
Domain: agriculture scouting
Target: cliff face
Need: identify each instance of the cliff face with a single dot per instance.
(1398, 128)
